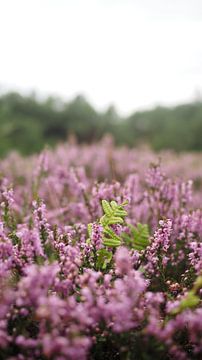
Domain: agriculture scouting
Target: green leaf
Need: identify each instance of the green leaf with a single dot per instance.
(122, 213)
(189, 302)
(90, 226)
(107, 208)
(124, 203)
(104, 220)
(114, 204)
(113, 214)
(111, 242)
(115, 220)
(108, 231)
(198, 284)
(140, 236)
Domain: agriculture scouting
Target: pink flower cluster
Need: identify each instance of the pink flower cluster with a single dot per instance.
(56, 301)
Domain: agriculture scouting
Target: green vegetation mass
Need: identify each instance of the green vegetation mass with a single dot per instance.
(27, 124)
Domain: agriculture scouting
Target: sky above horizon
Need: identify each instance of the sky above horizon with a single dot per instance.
(134, 54)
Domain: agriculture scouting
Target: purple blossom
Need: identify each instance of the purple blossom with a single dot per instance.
(96, 235)
(54, 302)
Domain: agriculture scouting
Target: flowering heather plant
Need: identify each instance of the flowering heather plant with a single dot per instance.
(100, 255)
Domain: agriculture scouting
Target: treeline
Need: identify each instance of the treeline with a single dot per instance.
(27, 124)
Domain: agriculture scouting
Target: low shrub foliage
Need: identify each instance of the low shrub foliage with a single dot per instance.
(99, 262)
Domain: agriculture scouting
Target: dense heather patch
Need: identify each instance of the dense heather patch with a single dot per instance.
(83, 278)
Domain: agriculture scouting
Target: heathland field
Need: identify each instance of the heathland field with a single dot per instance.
(101, 254)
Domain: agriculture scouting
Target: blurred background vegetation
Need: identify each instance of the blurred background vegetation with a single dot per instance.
(27, 124)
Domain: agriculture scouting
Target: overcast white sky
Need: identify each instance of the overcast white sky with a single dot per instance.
(132, 53)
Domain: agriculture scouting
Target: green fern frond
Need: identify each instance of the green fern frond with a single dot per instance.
(120, 213)
(107, 208)
(108, 231)
(115, 220)
(113, 214)
(111, 242)
(114, 204)
(140, 235)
